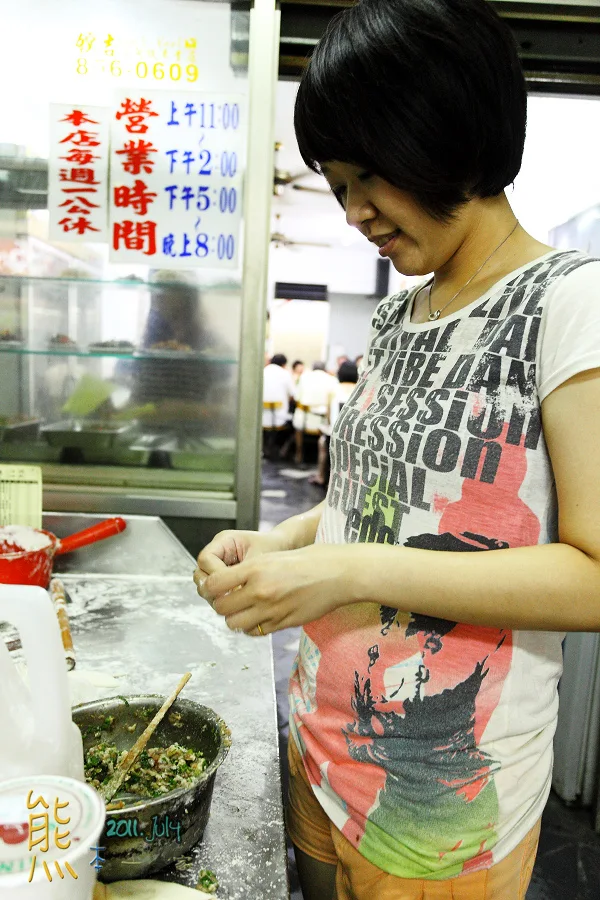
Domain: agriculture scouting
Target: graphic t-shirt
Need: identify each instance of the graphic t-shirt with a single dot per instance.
(429, 742)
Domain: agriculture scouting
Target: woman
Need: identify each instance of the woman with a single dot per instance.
(181, 391)
(423, 701)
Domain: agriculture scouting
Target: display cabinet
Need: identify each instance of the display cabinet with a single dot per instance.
(122, 383)
(125, 393)
(137, 386)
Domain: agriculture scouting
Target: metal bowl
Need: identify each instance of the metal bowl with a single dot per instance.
(148, 834)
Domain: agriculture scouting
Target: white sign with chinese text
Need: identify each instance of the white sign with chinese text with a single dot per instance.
(78, 172)
(176, 179)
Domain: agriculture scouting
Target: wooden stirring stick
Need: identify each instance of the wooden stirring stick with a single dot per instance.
(57, 592)
(109, 791)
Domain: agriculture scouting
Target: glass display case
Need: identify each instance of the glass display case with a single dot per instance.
(134, 234)
(127, 382)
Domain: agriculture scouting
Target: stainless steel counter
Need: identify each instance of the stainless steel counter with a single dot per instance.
(146, 547)
(135, 614)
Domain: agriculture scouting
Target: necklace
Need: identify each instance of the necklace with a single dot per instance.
(434, 314)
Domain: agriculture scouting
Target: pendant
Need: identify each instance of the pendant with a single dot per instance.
(434, 315)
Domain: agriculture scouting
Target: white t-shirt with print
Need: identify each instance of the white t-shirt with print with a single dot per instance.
(429, 742)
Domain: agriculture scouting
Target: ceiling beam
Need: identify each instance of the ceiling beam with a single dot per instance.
(559, 44)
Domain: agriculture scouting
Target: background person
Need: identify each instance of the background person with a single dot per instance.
(181, 390)
(424, 696)
(297, 370)
(278, 391)
(347, 377)
(314, 391)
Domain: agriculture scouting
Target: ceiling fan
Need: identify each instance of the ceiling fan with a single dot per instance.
(281, 178)
(281, 240)
(313, 190)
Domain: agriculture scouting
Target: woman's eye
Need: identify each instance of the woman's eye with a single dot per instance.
(339, 194)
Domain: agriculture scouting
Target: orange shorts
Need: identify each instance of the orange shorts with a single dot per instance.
(312, 831)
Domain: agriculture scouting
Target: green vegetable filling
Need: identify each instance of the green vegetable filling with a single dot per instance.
(207, 880)
(157, 771)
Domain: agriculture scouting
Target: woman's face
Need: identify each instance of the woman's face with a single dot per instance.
(392, 219)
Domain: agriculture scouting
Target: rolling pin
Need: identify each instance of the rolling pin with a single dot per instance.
(57, 592)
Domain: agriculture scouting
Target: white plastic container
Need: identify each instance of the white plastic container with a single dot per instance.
(38, 736)
(86, 813)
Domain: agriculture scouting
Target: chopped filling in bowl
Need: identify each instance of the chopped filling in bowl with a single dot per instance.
(157, 770)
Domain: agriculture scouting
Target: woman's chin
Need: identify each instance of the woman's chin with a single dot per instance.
(404, 267)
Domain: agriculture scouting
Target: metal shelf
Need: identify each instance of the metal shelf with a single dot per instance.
(114, 283)
(134, 354)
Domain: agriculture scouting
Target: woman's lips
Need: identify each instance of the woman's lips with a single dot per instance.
(389, 245)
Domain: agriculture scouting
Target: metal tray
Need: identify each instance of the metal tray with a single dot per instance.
(194, 454)
(86, 435)
(19, 431)
(138, 454)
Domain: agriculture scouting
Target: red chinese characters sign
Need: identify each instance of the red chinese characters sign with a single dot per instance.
(78, 173)
(133, 223)
(175, 179)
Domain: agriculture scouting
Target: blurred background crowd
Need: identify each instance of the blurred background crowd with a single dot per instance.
(300, 406)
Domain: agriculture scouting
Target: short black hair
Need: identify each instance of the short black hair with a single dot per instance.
(279, 359)
(348, 373)
(297, 362)
(427, 94)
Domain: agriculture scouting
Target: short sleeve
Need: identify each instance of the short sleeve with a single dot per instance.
(569, 340)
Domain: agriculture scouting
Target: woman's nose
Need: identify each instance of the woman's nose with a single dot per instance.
(359, 210)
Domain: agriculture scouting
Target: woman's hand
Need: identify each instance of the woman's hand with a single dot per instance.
(228, 548)
(281, 590)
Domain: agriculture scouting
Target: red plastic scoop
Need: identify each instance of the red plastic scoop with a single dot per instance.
(19, 565)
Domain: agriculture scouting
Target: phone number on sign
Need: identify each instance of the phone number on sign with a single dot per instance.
(158, 70)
